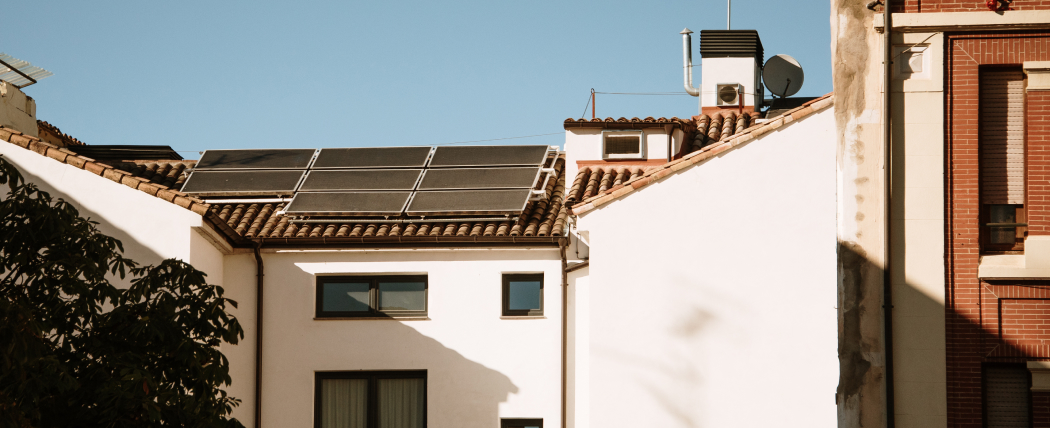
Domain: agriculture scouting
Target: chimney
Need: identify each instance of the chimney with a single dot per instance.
(17, 110)
(731, 71)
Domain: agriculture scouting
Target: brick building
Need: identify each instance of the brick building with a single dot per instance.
(966, 257)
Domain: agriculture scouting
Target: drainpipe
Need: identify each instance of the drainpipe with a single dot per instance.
(564, 332)
(887, 279)
(258, 332)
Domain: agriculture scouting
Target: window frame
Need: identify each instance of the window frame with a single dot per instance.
(372, 377)
(506, 422)
(506, 280)
(373, 296)
(983, 215)
(642, 150)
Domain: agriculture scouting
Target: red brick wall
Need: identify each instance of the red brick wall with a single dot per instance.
(917, 6)
(972, 307)
(1038, 128)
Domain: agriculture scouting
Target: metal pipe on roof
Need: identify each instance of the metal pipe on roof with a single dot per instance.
(687, 60)
(564, 331)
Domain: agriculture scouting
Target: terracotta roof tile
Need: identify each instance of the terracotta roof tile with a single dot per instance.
(590, 187)
(66, 139)
(130, 179)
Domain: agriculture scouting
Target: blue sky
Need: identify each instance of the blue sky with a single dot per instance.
(236, 74)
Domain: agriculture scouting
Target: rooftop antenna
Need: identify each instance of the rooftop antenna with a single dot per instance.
(20, 73)
(729, 12)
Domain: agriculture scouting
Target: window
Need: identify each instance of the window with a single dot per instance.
(523, 294)
(1002, 159)
(371, 296)
(521, 423)
(395, 399)
(623, 145)
(1007, 396)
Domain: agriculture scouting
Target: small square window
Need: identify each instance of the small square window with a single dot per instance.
(523, 294)
(371, 296)
(521, 423)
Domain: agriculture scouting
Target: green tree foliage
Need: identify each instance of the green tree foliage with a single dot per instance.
(77, 351)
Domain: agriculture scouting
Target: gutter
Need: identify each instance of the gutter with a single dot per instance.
(258, 333)
(564, 331)
(887, 278)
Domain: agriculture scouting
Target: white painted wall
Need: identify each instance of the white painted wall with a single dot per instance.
(479, 367)
(716, 71)
(711, 294)
(585, 144)
(150, 228)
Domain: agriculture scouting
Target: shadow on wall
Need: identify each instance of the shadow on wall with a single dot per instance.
(996, 334)
(460, 392)
(133, 249)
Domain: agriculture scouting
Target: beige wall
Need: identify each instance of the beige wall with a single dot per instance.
(918, 238)
(17, 110)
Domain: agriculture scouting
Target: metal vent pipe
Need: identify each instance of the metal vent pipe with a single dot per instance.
(687, 59)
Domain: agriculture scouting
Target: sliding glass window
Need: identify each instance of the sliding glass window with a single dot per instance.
(371, 296)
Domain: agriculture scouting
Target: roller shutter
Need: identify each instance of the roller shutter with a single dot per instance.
(1002, 136)
(1006, 397)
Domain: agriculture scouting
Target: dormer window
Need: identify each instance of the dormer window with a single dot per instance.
(623, 145)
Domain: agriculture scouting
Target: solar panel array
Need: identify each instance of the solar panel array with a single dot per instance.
(377, 181)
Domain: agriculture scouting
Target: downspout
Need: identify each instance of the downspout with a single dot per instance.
(887, 280)
(564, 332)
(258, 332)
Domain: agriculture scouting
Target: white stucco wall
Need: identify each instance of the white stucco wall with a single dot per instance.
(716, 71)
(479, 366)
(711, 294)
(150, 228)
(585, 144)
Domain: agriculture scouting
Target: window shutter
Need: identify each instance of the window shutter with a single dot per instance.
(1002, 136)
(1006, 402)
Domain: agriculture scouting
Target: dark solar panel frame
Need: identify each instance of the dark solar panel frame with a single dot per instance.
(479, 178)
(255, 159)
(243, 183)
(349, 204)
(372, 157)
(481, 156)
(469, 202)
(360, 179)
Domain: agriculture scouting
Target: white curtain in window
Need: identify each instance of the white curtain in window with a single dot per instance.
(344, 403)
(401, 403)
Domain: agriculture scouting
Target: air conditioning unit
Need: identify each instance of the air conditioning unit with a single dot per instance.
(623, 145)
(729, 94)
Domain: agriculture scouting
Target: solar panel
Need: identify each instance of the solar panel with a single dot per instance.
(469, 202)
(242, 183)
(348, 203)
(361, 179)
(256, 159)
(373, 157)
(488, 156)
(479, 178)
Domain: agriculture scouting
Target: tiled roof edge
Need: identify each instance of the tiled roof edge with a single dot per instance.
(708, 152)
(610, 121)
(87, 164)
(73, 141)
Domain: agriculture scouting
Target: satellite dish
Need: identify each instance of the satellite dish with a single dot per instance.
(782, 76)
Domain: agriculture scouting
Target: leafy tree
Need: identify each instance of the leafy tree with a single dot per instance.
(77, 351)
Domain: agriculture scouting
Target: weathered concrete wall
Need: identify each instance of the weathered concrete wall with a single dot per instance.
(856, 64)
(17, 110)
